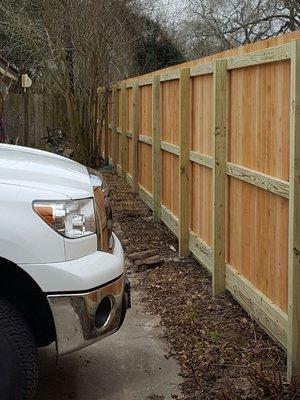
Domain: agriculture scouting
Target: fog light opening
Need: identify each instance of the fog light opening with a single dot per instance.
(103, 312)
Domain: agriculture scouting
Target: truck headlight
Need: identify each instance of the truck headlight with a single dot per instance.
(70, 218)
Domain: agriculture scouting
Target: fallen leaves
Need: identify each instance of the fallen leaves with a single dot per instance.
(223, 353)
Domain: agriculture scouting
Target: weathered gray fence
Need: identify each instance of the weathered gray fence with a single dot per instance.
(34, 115)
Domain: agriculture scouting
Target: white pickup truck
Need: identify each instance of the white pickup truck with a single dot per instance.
(62, 272)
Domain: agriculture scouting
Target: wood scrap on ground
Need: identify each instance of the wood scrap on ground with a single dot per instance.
(154, 260)
(142, 255)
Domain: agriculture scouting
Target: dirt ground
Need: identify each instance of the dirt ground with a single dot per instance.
(223, 354)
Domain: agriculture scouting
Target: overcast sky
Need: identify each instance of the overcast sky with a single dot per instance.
(173, 10)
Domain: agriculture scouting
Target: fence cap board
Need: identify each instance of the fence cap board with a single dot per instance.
(231, 53)
(202, 69)
(170, 76)
(144, 82)
(263, 56)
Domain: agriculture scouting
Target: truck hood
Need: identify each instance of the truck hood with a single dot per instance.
(23, 166)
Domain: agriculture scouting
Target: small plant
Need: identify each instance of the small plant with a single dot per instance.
(216, 335)
(192, 316)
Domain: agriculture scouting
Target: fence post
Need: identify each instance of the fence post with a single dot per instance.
(219, 173)
(156, 157)
(293, 347)
(96, 138)
(135, 137)
(100, 123)
(106, 128)
(184, 122)
(26, 117)
(123, 131)
(113, 129)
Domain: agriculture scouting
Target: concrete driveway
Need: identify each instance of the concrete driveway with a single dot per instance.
(129, 365)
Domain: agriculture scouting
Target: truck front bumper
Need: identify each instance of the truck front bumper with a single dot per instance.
(84, 318)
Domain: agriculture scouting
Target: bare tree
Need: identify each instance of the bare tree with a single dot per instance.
(69, 46)
(75, 46)
(216, 25)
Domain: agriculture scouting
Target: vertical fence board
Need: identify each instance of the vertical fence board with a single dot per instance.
(98, 117)
(293, 350)
(184, 118)
(123, 148)
(135, 137)
(100, 125)
(28, 115)
(219, 174)
(106, 128)
(156, 156)
(114, 129)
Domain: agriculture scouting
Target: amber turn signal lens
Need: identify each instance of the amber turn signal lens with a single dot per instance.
(46, 212)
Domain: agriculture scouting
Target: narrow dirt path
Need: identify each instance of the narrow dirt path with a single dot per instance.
(222, 352)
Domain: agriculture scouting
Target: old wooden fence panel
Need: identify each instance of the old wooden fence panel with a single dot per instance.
(218, 147)
(44, 110)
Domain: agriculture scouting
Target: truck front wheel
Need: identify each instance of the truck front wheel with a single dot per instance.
(18, 356)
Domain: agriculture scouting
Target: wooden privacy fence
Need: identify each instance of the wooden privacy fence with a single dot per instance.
(213, 147)
(28, 115)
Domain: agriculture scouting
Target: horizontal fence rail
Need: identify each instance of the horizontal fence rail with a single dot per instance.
(212, 148)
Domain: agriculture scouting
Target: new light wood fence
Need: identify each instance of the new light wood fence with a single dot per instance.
(213, 147)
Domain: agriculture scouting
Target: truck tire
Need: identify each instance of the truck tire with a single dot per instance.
(18, 356)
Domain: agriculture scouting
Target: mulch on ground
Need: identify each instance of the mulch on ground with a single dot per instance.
(223, 353)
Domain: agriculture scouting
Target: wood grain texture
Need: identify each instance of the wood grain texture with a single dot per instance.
(257, 238)
(293, 349)
(145, 82)
(202, 115)
(48, 111)
(117, 105)
(156, 156)
(135, 137)
(146, 110)
(170, 134)
(201, 219)
(202, 252)
(129, 155)
(170, 148)
(146, 197)
(270, 317)
(219, 174)
(170, 112)
(145, 166)
(117, 150)
(262, 56)
(184, 146)
(170, 182)
(123, 144)
(202, 159)
(202, 69)
(106, 136)
(129, 113)
(169, 76)
(146, 139)
(266, 182)
(129, 124)
(170, 220)
(258, 134)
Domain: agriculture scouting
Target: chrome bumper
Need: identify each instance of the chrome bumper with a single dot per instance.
(75, 315)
